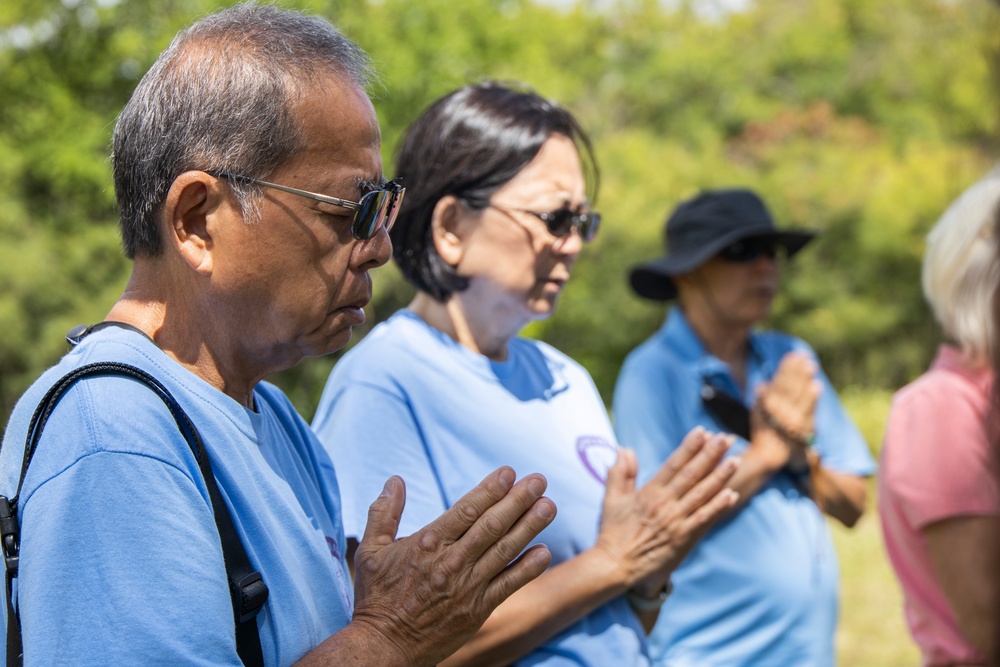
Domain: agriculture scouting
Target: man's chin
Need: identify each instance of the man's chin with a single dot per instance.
(329, 344)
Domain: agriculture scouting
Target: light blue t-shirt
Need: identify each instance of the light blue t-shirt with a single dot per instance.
(760, 589)
(121, 562)
(409, 400)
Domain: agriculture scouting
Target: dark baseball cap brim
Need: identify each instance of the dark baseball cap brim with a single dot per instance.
(652, 280)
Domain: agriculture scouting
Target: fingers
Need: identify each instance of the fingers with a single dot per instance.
(384, 514)
(693, 443)
(706, 515)
(793, 392)
(528, 566)
(797, 363)
(506, 528)
(795, 372)
(496, 516)
(622, 475)
(461, 516)
(700, 466)
(815, 390)
(702, 494)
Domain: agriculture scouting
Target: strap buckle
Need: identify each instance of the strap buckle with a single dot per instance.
(253, 595)
(10, 535)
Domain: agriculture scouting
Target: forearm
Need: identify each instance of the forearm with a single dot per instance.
(358, 645)
(840, 495)
(758, 463)
(964, 552)
(543, 608)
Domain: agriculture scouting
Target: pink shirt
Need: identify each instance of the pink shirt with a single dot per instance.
(935, 464)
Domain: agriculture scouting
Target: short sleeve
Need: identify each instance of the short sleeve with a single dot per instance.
(121, 565)
(370, 435)
(937, 453)
(838, 439)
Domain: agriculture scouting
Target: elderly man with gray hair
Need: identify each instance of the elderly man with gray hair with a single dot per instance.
(163, 505)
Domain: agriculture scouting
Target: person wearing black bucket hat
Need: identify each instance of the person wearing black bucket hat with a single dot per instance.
(734, 220)
(761, 588)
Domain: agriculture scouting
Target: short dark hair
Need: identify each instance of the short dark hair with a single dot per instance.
(221, 97)
(469, 144)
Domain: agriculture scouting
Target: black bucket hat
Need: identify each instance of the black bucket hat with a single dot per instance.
(702, 226)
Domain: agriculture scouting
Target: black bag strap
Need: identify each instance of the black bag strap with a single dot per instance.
(726, 408)
(246, 587)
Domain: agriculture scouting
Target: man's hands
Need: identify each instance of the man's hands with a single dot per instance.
(647, 532)
(426, 594)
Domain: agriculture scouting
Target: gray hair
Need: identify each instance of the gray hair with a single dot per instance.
(960, 271)
(221, 97)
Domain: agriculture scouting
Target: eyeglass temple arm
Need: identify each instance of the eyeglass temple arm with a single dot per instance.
(326, 199)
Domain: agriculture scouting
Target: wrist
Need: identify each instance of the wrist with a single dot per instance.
(766, 455)
(799, 439)
(610, 569)
(647, 601)
(369, 637)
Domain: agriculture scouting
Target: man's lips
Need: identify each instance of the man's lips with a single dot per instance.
(355, 309)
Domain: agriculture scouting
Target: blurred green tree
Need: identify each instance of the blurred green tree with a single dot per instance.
(860, 118)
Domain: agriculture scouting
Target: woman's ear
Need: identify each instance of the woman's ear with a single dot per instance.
(450, 229)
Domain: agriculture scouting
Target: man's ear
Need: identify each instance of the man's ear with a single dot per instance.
(191, 209)
(450, 228)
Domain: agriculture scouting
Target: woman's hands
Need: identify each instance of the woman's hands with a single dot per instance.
(646, 532)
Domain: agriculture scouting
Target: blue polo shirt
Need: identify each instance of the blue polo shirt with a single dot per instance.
(761, 587)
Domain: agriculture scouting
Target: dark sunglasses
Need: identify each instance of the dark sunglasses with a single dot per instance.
(562, 221)
(747, 250)
(375, 209)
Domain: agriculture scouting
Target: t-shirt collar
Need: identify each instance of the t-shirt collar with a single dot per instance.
(677, 334)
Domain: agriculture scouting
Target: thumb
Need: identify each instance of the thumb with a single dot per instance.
(385, 513)
(622, 475)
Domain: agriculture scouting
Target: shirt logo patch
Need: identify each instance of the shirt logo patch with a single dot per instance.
(597, 455)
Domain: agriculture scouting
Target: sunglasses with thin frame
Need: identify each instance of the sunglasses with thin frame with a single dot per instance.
(375, 209)
(562, 221)
(748, 250)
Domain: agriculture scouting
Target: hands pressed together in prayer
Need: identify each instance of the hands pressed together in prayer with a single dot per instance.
(783, 416)
(420, 598)
(647, 531)
(426, 594)
(782, 423)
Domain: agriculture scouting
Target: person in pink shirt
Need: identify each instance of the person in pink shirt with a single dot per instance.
(939, 497)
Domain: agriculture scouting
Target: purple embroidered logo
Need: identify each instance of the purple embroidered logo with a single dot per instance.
(597, 454)
(332, 544)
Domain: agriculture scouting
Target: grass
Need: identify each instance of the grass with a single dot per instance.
(872, 631)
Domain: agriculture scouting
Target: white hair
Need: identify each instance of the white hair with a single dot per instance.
(961, 267)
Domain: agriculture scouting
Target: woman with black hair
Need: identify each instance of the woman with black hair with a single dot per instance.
(497, 211)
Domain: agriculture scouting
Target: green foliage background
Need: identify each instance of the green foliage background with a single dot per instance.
(861, 118)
